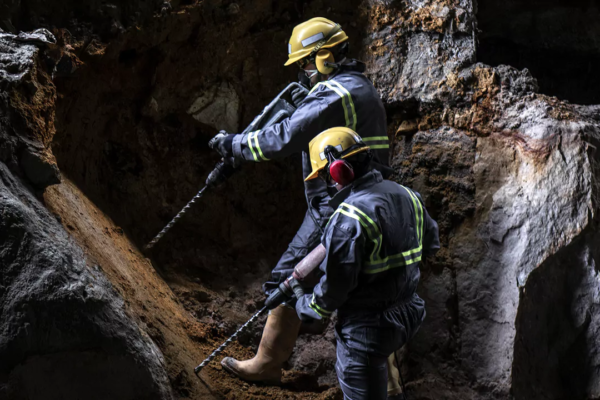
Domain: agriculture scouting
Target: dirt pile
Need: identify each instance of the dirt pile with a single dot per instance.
(510, 175)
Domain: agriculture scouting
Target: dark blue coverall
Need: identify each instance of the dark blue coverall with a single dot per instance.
(375, 241)
(348, 99)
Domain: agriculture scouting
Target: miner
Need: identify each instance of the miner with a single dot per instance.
(340, 95)
(374, 242)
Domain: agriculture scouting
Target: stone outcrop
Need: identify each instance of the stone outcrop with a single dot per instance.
(65, 331)
(510, 174)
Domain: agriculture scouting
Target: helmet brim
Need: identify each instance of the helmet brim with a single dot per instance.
(313, 175)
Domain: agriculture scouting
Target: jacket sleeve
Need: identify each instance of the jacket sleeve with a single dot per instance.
(319, 111)
(431, 235)
(342, 266)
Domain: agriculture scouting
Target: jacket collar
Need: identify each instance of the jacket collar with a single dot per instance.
(369, 179)
(351, 65)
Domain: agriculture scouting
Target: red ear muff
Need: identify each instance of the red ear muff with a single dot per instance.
(341, 172)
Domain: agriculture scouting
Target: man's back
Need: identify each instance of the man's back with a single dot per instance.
(375, 241)
(398, 233)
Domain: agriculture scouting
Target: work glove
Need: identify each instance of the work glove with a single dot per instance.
(222, 144)
(298, 96)
(220, 174)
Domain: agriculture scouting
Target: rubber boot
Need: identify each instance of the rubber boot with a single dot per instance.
(394, 390)
(276, 345)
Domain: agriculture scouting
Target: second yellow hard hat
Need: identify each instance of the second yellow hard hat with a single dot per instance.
(341, 138)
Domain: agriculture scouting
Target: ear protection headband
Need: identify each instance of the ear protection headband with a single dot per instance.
(324, 57)
(340, 170)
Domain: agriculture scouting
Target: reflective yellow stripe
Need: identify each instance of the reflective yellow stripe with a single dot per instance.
(393, 261)
(347, 103)
(379, 146)
(403, 254)
(400, 263)
(418, 213)
(250, 145)
(374, 138)
(349, 97)
(258, 147)
(403, 257)
(319, 310)
(341, 94)
(315, 87)
(375, 237)
(376, 251)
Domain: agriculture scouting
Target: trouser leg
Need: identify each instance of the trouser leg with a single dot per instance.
(306, 239)
(361, 376)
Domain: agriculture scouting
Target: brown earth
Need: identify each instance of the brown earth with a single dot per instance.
(131, 135)
(171, 317)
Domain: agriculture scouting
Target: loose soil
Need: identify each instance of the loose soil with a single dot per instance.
(187, 322)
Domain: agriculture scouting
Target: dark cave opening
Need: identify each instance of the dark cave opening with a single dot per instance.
(555, 326)
(557, 40)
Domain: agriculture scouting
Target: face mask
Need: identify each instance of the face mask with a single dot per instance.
(310, 73)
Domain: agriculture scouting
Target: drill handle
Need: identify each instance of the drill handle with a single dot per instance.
(310, 262)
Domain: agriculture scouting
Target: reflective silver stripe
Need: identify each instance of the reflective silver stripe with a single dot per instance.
(338, 148)
(314, 38)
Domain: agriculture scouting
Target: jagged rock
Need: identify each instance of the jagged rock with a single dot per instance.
(519, 192)
(27, 108)
(217, 107)
(64, 330)
(511, 175)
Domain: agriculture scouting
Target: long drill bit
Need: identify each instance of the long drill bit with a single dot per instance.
(228, 341)
(177, 217)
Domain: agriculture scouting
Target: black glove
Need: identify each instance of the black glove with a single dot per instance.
(222, 144)
(220, 174)
(298, 96)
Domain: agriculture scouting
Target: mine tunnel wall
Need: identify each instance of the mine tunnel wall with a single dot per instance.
(501, 168)
(148, 108)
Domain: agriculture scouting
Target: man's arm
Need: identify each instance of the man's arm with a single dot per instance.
(431, 238)
(342, 266)
(320, 110)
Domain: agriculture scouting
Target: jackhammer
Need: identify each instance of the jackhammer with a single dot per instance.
(289, 288)
(277, 110)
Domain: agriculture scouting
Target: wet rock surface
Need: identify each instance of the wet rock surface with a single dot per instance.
(509, 174)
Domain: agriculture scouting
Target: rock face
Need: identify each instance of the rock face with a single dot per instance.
(27, 107)
(511, 176)
(64, 330)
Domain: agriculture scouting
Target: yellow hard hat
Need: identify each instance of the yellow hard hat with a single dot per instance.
(313, 35)
(341, 138)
